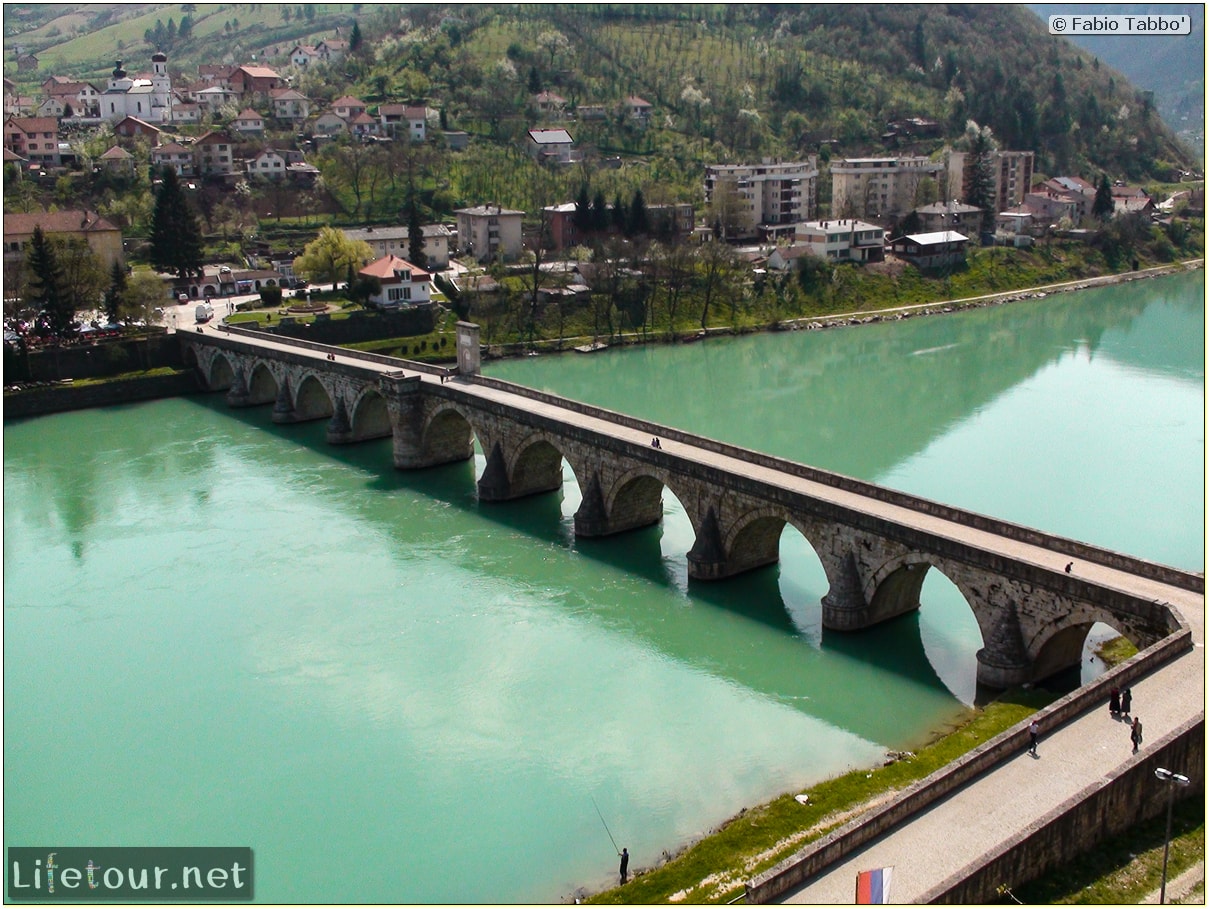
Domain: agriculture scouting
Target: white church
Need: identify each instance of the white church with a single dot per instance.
(149, 100)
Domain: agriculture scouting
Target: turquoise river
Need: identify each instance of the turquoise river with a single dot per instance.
(218, 631)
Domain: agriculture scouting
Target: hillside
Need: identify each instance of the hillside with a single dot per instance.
(1173, 67)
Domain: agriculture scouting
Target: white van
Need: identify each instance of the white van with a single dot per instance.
(204, 312)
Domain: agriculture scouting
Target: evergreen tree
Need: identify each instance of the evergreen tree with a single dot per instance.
(176, 240)
(535, 81)
(115, 296)
(600, 212)
(618, 215)
(46, 291)
(980, 163)
(185, 32)
(1103, 207)
(637, 221)
(583, 210)
(415, 234)
(354, 38)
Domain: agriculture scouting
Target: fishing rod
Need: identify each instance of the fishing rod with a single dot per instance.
(606, 826)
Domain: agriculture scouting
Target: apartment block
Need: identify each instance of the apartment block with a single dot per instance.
(879, 187)
(762, 201)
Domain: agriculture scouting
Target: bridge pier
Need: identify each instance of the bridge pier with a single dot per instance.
(420, 439)
(639, 504)
(1004, 661)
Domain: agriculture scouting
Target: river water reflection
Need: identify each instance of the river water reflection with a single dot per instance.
(222, 631)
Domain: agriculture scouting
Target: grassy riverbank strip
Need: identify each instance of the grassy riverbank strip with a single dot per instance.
(716, 868)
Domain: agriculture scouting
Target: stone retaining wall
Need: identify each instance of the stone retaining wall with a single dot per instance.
(56, 398)
(1102, 810)
(821, 854)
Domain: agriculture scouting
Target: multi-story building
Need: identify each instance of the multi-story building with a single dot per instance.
(761, 200)
(843, 240)
(102, 237)
(882, 188)
(388, 241)
(213, 155)
(487, 232)
(1013, 176)
(36, 139)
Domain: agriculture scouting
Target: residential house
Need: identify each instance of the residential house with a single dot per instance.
(269, 165)
(51, 107)
(489, 232)
(303, 55)
(399, 119)
(34, 138)
(212, 99)
(289, 104)
(80, 99)
(843, 240)
(456, 139)
(786, 258)
(347, 107)
(248, 122)
(552, 146)
(958, 216)
(331, 49)
(27, 63)
(879, 187)
(329, 124)
(387, 241)
(177, 156)
(102, 236)
(19, 163)
(549, 105)
(117, 161)
(637, 108)
(131, 128)
(301, 174)
(1018, 221)
(762, 200)
(214, 73)
(212, 154)
(592, 112)
(183, 112)
(363, 125)
(932, 250)
(402, 284)
(254, 81)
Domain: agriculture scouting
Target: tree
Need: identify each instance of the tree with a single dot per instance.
(637, 222)
(330, 256)
(354, 38)
(716, 271)
(415, 234)
(144, 292)
(115, 296)
(980, 163)
(45, 292)
(1103, 207)
(84, 275)
(176, 238)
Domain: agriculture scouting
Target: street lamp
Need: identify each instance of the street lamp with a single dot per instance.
(1178, 779)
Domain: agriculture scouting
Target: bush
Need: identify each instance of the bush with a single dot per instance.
(270, 295)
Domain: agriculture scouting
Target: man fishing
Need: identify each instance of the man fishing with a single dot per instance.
(625, 864)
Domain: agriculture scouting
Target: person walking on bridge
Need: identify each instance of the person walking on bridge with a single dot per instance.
(1034, 732)
(1135, 734)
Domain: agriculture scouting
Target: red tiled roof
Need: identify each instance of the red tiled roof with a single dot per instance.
(386, 267)
(55, 222)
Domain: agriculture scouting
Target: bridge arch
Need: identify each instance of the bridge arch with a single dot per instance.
(221, 373)
(369, 415)
(1059, 645)
(525, 466)
(313, 400)
(263, 386)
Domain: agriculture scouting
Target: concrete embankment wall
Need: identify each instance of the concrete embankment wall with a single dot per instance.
(823, 853)
(1102, 810)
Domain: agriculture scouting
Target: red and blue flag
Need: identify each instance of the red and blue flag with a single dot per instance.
(873, 886)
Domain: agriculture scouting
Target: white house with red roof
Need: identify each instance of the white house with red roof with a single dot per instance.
(347, 107)
(402, 284)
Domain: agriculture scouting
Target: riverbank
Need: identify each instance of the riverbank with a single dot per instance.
(854, 317)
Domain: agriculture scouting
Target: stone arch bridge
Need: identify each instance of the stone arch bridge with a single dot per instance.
(875, 544)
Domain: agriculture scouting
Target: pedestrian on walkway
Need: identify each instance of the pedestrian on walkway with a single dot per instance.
(1114, 701)
(1034, 732)
(1126, 701)
(1135, 734)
